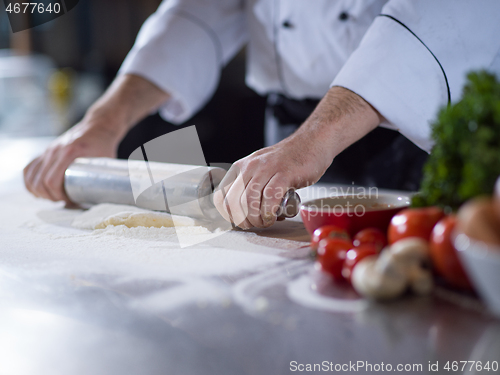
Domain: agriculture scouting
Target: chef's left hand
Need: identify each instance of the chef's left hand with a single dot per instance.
(252, 190)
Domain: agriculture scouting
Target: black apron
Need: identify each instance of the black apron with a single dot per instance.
(383, 158)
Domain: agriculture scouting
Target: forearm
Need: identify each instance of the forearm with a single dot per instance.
(262, 178)
(340, 119)
(128, 100)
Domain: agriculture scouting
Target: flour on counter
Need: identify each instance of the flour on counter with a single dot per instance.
(123, 221)
(103, 215)
(38, 235)
(146, 264)
(165, 234)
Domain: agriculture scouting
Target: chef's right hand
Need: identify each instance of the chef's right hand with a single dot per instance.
(250, 193)
(92, 137)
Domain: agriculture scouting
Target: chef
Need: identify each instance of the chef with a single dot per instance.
(371, 64)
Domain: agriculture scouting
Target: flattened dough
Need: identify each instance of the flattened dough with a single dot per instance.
(102, 215)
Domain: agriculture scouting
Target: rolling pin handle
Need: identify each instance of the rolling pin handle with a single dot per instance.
(289, 206)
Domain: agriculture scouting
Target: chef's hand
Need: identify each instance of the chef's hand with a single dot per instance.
(128, 99)
(254, 186)
(252, 190)
(44, 176)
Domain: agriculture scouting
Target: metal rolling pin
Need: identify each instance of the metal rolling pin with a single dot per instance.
(175, 188)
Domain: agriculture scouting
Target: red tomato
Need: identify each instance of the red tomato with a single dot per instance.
(330, 231)
(370, 236)
(444, 256)
(353, 256)
(414, 222)
(331, 256)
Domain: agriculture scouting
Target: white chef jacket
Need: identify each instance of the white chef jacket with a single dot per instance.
(407, 58)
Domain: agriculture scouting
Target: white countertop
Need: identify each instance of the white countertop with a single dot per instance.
(114, 301)
(37, 236)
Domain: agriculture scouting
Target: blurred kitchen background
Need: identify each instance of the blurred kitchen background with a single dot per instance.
(50, 74)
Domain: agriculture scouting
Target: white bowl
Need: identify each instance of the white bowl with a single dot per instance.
(482, 264)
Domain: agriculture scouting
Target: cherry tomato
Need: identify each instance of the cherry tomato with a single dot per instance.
(370, 236)
(353, 256)
(444, 256)
(330, 231)
(331, 256)
(414, 222)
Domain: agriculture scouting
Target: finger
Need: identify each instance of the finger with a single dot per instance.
(29, 173)
(220, 194)
(39, 180)
(272, 196)
(220, 202)
(253, 199)
(225, 210)
(234, 197)
(54, 178)
(34, 177)
(230, 176)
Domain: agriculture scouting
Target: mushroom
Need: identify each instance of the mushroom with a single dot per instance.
(413, 254)
(411, 251)
(398, 267)
(368, 281)
(421, 281)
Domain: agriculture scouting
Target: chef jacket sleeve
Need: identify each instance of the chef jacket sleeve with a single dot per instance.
(181, 49)
(415, 56)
